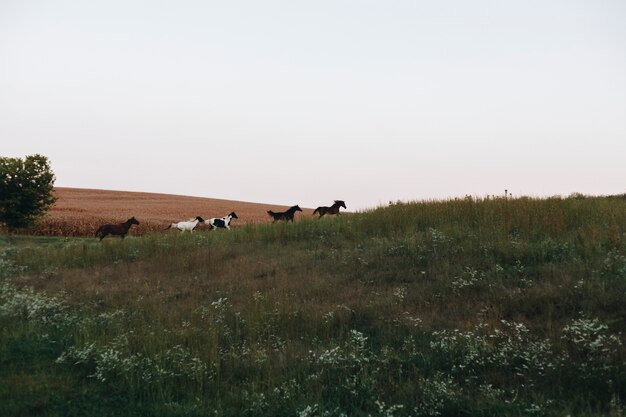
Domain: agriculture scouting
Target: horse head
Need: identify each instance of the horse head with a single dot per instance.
(200, 219)
(132, 220)
(233, 215)
(296, 208)
(341, 203)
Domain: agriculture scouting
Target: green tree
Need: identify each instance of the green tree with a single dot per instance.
(25, 190)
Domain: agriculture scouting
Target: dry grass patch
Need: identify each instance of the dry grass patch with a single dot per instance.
(79, 212)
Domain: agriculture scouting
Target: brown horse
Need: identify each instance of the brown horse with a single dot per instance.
(120, 229)
(284, 215)
(334, 209)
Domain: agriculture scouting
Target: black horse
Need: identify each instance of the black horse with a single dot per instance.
(284, 215)
(334, 209)
(120, 229)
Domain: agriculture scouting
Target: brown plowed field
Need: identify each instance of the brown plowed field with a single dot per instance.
(79, 212)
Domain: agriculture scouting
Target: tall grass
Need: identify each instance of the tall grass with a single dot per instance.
(460, 307)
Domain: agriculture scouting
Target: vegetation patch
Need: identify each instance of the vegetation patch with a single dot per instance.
(463, 307)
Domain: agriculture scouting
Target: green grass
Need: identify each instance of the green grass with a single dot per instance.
(462, 307)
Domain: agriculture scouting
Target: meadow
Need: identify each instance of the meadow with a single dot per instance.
(465, 307)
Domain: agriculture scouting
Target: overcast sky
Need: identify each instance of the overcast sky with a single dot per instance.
(309, 101)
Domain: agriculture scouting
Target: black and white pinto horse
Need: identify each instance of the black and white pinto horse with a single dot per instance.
(334, 209)
(186, 225)
(120, 229)
(221, 222)
(284, 215)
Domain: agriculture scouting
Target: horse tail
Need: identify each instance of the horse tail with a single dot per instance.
(102, 231)
(321, 211)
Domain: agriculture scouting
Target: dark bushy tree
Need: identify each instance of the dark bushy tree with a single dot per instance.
(25, 189)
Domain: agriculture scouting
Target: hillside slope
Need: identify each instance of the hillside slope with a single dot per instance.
(492, 307)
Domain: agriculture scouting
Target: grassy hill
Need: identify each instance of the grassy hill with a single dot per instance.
(462, 307)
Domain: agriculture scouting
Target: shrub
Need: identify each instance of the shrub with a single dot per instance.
(25, 190)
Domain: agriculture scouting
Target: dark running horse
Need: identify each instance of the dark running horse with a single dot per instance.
(120, 229)
(334, 209)
(284, 215)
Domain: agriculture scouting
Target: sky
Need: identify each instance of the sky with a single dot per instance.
(304, 102)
